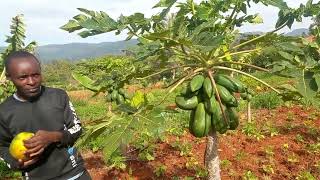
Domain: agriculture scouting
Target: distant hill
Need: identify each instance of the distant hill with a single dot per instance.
(298, 32)
(76, 51)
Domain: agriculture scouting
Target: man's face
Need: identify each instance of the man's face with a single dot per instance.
(25, 73)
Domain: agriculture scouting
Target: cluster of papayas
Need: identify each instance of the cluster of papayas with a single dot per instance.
(119, 96)
(200, 97)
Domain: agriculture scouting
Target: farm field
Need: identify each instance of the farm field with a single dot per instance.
(281, 143)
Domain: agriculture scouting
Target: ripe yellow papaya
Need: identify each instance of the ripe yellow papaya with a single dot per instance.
(17, 147)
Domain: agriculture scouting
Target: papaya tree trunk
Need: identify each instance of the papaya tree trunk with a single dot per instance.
(212, 161)
(249, 112)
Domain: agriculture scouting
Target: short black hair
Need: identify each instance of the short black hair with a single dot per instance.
(18, 54)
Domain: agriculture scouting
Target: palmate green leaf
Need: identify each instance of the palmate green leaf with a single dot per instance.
(207, 41)
(164, 35)
(31, 46)
(126, 128)
(164, 3)
(307, 86)
(71, 26)
(86, 82)
(203, 27)
(94, 23)
(122, 135)
(92, 132)
(277, 3)
(317, 81)
(286, 55)
(137, 100)
(290, 47)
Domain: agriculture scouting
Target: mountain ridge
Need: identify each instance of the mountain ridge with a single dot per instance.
(76, 51)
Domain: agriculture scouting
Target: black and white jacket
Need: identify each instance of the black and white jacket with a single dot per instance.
(51, 111)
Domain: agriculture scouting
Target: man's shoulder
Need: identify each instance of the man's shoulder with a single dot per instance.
(57, 91)
(6, 103)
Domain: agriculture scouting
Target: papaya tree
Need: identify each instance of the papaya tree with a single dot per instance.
(16, 42)
(202, 42)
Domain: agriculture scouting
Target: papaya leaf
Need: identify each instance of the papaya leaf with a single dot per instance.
(290, 47)
(307, 86)
(85, 81)
(286, 55)
(317, 80)
(137, 100)
(277, 3)
(164, 3)
(207, 41)
(112, 142)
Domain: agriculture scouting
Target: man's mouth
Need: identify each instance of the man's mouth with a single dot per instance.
(33, 90)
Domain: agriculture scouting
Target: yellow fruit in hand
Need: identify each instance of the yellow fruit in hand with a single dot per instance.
(17, 147)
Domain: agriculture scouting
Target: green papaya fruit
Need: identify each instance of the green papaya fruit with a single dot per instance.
(249, 97)
(225, 96)
(199, 122)
(208, 124)
(211, 105)
(207, 87)
(108, 98)
(126, 95)
(121, 91)
(244, 95)
(186, 91)
(233, 102)
(233, 118)
(114, 95)
(218, 122)
(120, 99)
(196, 83)
(187, 103)
(230, 83)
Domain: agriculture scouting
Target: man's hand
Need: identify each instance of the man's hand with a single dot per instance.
(40, 141)
(24, 164)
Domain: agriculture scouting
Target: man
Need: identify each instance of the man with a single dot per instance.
(48, 114)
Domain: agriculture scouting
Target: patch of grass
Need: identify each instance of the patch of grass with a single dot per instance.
(225, 164)
(269, 151)
(251, 130)
(248, 175)
(314, 148)
(269, 100)
(160, 170)
(241, 155)
(185, 148)
(299, 138)
(305, 175)
(270, 129)
(268, 169)
(89, 111)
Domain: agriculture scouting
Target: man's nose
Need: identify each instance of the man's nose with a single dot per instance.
(31, 81)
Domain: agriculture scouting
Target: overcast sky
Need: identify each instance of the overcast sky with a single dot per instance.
(44, 17)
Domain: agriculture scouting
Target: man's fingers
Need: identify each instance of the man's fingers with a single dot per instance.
(37, 153)
(30, 162)
(34, 150)
(31, 144)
